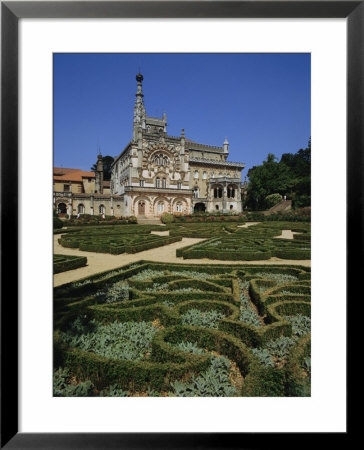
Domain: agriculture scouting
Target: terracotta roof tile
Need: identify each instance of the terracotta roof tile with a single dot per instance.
(65, 174)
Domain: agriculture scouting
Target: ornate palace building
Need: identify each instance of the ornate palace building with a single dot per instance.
(157, 173)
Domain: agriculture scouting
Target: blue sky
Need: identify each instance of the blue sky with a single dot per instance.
(260, 102)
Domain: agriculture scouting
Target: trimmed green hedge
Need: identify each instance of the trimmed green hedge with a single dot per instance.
(258, 242)
(115, 243)
(157, 294)
(62, 263)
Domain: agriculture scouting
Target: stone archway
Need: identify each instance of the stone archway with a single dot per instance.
(141, 208)
(62, 209)
(199, 207)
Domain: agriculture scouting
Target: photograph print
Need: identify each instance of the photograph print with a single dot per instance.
(182, 225)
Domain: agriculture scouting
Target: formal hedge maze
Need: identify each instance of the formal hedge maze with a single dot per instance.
(61, 263)
(152, 329)
(202, 230)
(116, 240)
(258, 242)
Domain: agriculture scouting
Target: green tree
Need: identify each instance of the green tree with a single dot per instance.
(106, 162)
(269, 178)
(291, 176)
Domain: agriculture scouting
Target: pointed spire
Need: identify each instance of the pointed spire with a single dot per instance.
(139, 109)
(183, 141)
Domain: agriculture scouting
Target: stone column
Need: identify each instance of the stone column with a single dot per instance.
(91, 205)
(111, 205)
(224, 194)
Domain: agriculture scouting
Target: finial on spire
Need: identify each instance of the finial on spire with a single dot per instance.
(139, 77)
(226, 145)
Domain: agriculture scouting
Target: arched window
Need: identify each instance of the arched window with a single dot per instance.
(102, 209)
(157, 182)
(156, 160)
(164, 183)
(62, 208)
(179, 185)
(165, 161)
(195, 192)
(195, 174)
(204, 175)
(215, 192)
(217, 207)
(179, 207)
(81, 209)
(160, 207)
(231, 192)
(220, 192)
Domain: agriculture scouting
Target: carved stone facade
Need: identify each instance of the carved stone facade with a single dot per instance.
(157, 173)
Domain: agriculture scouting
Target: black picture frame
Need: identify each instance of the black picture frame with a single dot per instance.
(11, 12)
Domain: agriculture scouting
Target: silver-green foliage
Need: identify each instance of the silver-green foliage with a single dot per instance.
(190, 347)
(263, 356)
(80, 283)
(301, 324)
(147, 274)
(192, 274)
(117, 292)
(281, 278)
(247, 313)
(215, 382)
(274, 350)
(207, 319)
(128, 340)
(157, 287)
(64, 387)
(280, 347)
(113, 391)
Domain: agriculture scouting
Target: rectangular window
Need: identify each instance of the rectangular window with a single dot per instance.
(179, 185)
(164, 183)
(67, 188)
(141, 183)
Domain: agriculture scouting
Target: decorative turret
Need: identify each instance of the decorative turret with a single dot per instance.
(183, 141)
(139, 109)
(99, 175)
(226, 146)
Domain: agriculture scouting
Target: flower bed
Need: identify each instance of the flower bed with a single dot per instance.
(181, 330)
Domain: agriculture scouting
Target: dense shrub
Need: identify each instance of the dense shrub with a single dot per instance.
(272, 199)
(167, 218)
(57, 223)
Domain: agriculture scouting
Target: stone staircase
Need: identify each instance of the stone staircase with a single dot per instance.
(283, 206)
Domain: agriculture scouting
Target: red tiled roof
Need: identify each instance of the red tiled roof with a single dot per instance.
(66, 174)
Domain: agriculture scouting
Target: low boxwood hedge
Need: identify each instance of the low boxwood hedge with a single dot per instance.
(158, 295)
(62, 263)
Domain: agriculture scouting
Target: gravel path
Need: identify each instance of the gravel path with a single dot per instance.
(99, 262)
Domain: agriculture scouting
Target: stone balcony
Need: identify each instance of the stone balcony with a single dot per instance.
(225, 180)
(159, 190)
